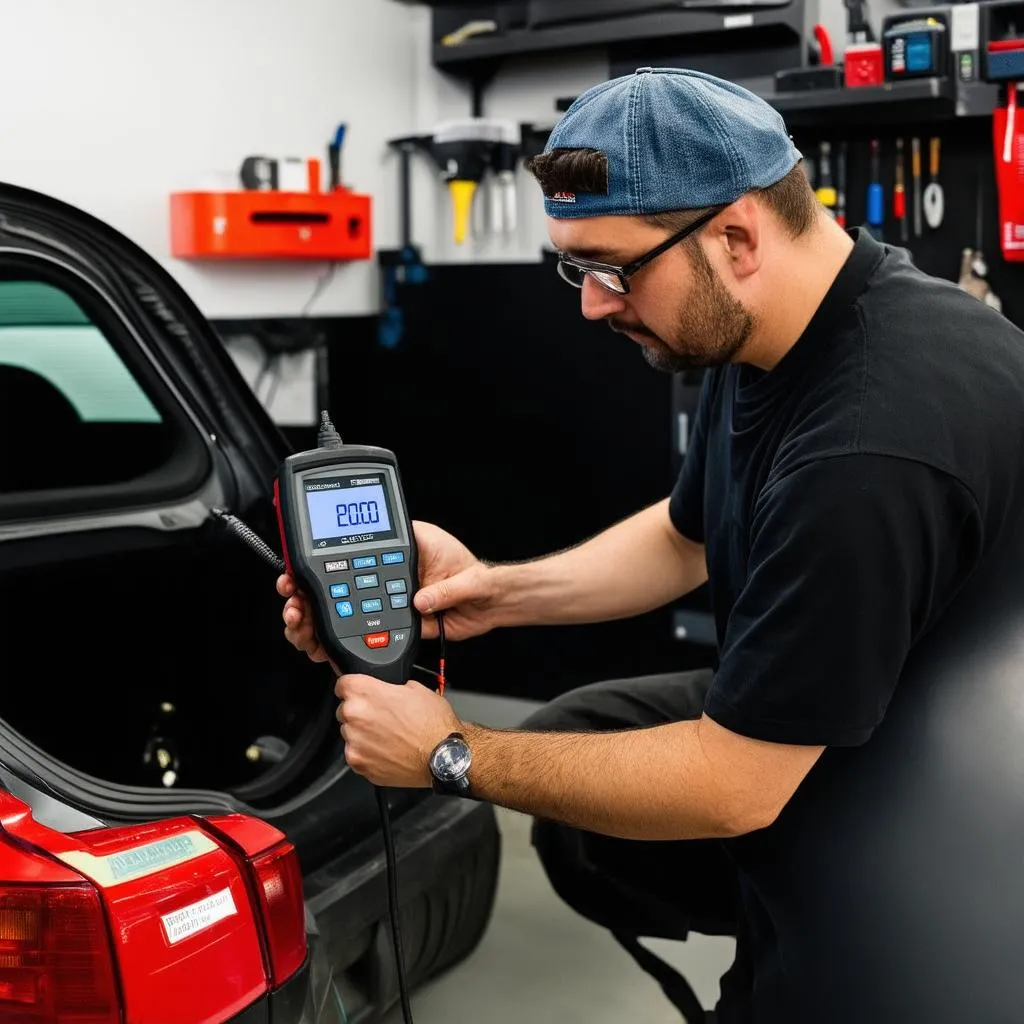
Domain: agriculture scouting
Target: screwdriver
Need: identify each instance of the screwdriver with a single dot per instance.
(841, 186)
(899, 195)
(915, 153)
(876, 199)
(825, 191)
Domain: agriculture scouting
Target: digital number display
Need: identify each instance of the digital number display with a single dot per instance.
(348, 510)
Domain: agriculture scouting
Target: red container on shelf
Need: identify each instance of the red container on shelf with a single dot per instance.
(863, 65)
(271, 225)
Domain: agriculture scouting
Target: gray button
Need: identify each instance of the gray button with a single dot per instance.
(399, 600)
(395, 586)
(367, 580)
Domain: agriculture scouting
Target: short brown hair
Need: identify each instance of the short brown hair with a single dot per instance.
(586, 170)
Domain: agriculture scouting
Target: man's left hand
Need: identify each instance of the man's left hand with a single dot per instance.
(390, 731)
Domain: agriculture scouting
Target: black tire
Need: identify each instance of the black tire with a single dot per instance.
(441, 925)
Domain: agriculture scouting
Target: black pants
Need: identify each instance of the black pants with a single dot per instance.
(633, 888)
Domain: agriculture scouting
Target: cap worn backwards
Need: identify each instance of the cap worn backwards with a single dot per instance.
(674, 139)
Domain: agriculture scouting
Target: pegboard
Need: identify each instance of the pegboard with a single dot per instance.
(967, 176)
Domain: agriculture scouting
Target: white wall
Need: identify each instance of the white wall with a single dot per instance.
(113, 104)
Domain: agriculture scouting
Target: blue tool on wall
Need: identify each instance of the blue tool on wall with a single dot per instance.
(334, 158)
(404, 265)
(876, 198)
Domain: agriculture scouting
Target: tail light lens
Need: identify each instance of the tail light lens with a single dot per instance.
(279, 886)
(55, 959)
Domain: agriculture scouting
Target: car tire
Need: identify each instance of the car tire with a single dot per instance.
(442, 925)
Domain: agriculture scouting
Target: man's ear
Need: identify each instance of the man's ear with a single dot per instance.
(740, 235)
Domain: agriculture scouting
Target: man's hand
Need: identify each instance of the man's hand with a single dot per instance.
(452, 580)
(390, 731)
(298, 620)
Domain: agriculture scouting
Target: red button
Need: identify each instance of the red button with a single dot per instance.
(377, 639)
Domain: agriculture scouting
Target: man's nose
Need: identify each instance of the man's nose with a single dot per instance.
(597, 302)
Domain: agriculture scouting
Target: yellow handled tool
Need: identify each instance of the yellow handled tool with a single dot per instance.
(934, 199)
(915, 160)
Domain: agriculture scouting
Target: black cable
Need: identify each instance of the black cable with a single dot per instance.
(318, 289)
(391, 862)
(277, 372)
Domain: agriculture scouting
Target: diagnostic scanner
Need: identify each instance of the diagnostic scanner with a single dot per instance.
(348, 542)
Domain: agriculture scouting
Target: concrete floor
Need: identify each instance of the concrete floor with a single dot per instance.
(540, 961)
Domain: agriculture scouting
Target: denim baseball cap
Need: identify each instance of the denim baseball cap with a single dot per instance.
(674, 139)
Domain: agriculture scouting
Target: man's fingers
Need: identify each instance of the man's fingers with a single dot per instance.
(285, 585)
(429, 627)
(350, 685)
(444, 594)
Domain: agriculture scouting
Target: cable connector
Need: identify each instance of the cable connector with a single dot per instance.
(327, 436)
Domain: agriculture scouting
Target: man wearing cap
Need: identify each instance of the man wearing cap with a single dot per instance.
(855, 455)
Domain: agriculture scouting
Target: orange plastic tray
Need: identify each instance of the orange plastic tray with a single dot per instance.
(271, 225)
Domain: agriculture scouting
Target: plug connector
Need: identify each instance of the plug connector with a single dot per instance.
(327, 436)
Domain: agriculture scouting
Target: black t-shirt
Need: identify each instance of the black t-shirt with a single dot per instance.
(843, 498)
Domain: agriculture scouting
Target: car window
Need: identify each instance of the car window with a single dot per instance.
(71, 412)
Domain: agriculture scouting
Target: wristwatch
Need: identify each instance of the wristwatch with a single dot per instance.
(449, 766)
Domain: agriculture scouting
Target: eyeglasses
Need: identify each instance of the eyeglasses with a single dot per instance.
(616, 279)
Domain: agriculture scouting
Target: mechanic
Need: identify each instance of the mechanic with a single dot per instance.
(854, 458)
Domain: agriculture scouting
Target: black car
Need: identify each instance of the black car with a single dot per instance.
(145, 671)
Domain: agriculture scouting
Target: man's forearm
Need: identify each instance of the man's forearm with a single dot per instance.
(637, 565)
(651, 784)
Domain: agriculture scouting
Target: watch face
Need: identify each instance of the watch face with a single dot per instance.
(451, 761)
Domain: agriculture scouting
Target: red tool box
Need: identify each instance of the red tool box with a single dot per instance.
(255, 224)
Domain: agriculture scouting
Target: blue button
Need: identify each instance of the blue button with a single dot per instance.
(372, 604)
(366, 562)
(392, 557)
(395, 586)
(345, 609)
(400, 601)
(339, 590)
(369, 580)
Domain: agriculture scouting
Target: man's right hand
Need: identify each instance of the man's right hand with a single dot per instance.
(452, 580)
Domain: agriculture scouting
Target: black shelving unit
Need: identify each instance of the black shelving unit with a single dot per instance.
(925, 100)
(479, 53)
(916, 100)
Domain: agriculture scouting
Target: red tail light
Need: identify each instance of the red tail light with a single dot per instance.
(279, 885)
(55, 960)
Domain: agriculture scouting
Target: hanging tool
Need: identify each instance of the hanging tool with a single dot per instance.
(915, 153)
(403, 266)
(826, 191)
(973, 266)
(841, 186)
(899, 194)
(1008, 153)
(465, 151)
(503, 190)
(934, 200)
(334, 158)
(876, 197)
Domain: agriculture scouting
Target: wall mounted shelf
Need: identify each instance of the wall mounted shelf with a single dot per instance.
(271, 225)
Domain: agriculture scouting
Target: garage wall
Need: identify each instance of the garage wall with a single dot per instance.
(113, 104)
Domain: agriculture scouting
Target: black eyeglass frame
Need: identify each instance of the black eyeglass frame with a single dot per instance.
(624, 273)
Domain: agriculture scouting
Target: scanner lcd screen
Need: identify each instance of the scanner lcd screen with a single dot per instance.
(346, 510)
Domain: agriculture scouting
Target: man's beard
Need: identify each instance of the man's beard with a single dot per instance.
(710, 328)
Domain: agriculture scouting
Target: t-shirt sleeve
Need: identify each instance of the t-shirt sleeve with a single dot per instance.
(686, 503)
(850, 559)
